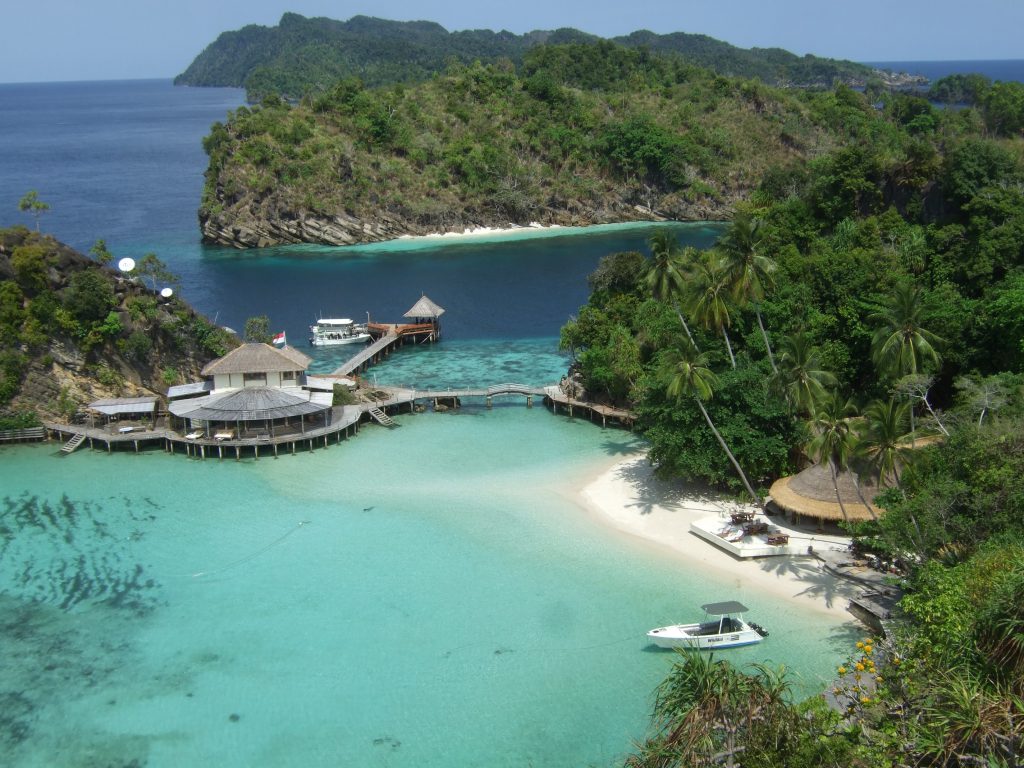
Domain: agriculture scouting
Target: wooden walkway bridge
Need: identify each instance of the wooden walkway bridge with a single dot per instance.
(386, 336)
(399, 396)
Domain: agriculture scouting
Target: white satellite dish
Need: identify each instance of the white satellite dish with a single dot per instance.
(167, 293)
(126, 264)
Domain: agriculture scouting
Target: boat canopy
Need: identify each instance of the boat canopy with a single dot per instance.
(720, 609)
(334, 321)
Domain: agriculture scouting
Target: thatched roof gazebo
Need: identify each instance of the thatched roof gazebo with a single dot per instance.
(425, 312)
(424, 309)
(810, 493)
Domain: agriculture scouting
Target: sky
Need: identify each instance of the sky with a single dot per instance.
(55, 40)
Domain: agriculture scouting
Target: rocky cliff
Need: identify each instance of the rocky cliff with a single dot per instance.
(254, 223)
(73, 330)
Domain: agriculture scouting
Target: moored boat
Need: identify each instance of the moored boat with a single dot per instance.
(722, 627)
(331, 332)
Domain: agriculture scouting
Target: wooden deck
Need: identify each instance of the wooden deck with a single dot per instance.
(344, 421)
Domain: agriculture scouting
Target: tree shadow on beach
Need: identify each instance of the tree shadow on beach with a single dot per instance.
(817, 583)
(626, 447)
(670, 495)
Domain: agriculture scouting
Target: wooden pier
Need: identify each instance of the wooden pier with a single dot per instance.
(386, 336)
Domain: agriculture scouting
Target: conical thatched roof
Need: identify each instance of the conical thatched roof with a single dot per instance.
(249, 404)
(811, 493)
(258, 358)
(424, 308)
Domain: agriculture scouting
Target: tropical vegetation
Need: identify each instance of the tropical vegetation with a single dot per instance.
(862, 310)
(302, 56)
(68, 322)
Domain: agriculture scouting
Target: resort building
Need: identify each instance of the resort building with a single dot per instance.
(254, 391)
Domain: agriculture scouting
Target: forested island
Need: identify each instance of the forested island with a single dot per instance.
(580, 134)
(303, 56)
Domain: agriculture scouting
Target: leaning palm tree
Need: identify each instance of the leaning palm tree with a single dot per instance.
(705, 298)
(799, 377)
(666, 273)
(833, 439)
(689, 376)
(748, 272)
(901, 345)
(882, 442)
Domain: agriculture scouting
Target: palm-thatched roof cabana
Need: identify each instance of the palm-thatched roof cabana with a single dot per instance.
(258, 358)
(424, 309)
(810, 493)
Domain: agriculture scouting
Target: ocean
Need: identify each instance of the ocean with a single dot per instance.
(1004, 70)
(430, 595)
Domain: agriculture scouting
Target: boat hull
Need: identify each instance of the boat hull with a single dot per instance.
(360, 338)
(688, 636)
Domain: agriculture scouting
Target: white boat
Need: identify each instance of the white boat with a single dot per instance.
(722, 628)
(335, 331)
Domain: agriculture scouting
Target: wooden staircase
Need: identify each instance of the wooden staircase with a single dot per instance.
(73, 443)
(380, 417)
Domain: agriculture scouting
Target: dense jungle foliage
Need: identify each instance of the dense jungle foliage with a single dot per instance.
(864, 309)
(303, 56)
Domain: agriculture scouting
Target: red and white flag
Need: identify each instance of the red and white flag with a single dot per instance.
(281, 339)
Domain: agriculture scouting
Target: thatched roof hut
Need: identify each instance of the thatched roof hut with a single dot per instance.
(257, 358)
(424, 308)
(811, 493)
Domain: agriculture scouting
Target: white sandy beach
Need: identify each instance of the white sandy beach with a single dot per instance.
(629, 498)
(471, 232)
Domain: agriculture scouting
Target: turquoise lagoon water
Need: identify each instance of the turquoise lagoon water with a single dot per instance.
(431, 595)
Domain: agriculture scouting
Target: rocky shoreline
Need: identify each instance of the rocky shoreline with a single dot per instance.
(248, 227)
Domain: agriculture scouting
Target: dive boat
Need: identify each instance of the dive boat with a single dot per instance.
(722, 628)
(332, 332)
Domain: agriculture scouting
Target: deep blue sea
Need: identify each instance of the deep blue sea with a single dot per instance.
(997, 69)
(431, 595)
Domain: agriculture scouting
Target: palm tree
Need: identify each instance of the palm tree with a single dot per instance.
(666, 273)
(710, 712)
(900, 345)
(747, 272)
(705, 298)
(833, 439)
(800, 377)
(882, 442)
(689, 376)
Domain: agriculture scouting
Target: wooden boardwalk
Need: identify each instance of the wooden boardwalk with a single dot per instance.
(386, 336)
(397, 396)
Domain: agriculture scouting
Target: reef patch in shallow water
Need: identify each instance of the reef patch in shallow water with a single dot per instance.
(69, 554)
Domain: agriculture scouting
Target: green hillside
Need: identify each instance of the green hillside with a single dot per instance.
(585, 133)
(307, 55)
